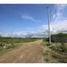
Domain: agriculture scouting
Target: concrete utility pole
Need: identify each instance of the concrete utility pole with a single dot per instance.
(49, 34)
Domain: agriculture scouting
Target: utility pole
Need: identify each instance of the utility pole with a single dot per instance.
(49, 34)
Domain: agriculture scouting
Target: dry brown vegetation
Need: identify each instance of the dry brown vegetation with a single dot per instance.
(55, 53)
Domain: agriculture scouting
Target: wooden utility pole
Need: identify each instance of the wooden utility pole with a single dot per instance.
(49, 34)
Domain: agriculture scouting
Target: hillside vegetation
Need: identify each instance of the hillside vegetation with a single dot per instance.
(7, 43)
(57, 51)
(16, 40)
(61, 37)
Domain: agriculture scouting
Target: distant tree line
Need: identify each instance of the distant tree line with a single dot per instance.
(60, 37)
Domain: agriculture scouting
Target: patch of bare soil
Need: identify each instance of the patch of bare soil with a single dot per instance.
(31, 52)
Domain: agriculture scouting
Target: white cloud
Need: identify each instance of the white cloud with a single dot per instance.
(59, 24)
(56, 27)
(59, 13)
(28, 17)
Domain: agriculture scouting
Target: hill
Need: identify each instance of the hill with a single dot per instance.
(60, 37)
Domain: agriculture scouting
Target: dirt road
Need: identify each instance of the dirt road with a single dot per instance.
(30, 52)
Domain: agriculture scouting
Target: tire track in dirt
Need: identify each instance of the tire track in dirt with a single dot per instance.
(31, 52)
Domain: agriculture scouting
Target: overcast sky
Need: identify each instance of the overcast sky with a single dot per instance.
(32, 18)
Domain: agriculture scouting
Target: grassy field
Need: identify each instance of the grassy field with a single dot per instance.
(55, 53)
(16, 40)
(8, 43)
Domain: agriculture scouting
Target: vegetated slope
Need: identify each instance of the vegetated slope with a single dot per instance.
(16, 39)
(60, 37)
(55, 53)
(28, 53)
(8, 43)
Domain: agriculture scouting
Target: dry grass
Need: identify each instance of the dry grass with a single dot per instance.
(55, 53)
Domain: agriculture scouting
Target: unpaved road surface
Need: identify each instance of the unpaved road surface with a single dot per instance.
(31, 52)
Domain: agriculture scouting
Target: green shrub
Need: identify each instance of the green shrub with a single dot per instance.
(48, 44)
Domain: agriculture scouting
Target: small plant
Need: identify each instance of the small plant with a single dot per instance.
(46, 60)
(48, 44)
(12, 45)
(62, 61)
(63, 46)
